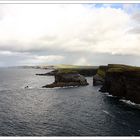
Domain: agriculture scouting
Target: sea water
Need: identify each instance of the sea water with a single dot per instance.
(71, 111)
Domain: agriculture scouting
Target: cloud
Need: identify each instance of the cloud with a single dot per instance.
(61, 29)
(36, 60)
(131, 8)
(82, 61)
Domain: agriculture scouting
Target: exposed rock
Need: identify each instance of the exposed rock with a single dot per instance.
(123, 81)
(26, 86)
(102, 71)
(97, 80)
(68, 79)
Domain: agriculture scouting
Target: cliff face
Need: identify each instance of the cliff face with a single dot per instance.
(123, 81)
(98, 78)
(68, 79)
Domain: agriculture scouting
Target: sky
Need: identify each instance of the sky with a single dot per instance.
(79, 34)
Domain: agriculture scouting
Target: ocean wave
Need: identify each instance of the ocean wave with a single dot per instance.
(109, 95)
(128, 102)
(98, 89)
(106, 93)
(62, 87)
(107, 113)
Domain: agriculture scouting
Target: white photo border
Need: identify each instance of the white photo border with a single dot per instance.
(69, 2)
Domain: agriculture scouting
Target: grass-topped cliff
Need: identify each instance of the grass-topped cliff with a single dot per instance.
(83, 70)
(122, 68)
(102, 71)
(116, 68)
(119, 80)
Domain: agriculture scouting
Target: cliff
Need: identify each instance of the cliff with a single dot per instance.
(98, 78)
(122, 81)
(81, 71)
(67, 78)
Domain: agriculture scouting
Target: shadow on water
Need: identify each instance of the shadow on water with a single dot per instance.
(123, 119)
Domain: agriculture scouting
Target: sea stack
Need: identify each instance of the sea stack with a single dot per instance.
(67, 78)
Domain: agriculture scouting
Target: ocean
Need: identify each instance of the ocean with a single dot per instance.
(71, 111)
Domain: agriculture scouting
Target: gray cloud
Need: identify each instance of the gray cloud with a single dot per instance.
(73, 34)
(135, 30)
(136, 16)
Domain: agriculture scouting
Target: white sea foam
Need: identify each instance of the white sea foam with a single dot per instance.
(106, 112)
(128, 102)
(98, 89)
(106, 93)
(61, 87)
(109, 95)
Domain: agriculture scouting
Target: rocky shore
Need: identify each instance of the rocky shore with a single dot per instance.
(119, 80)
(67, 78)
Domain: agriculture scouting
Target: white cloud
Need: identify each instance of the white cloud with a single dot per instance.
(66, 28)
(82, 61)
(36, 60)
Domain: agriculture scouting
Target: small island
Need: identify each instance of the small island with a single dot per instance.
(66, 78)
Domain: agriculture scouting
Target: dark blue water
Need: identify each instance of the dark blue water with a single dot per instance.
(78, 111)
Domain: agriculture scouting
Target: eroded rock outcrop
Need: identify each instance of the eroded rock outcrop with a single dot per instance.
(64, 79)
(98, 79)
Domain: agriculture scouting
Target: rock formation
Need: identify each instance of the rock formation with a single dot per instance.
(98, 79)
(64, 79)
(122, 81)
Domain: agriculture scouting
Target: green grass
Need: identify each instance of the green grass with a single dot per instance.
(118, 68)
(66, 71)
(74, 69)
(122, 68)
(102, 71)
(63, 66)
